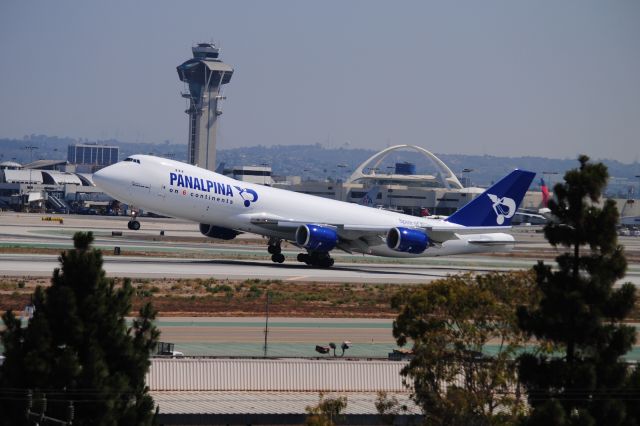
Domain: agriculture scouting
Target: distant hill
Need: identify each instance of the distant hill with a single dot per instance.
(318, 162)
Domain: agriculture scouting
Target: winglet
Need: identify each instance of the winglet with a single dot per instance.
(498, 204)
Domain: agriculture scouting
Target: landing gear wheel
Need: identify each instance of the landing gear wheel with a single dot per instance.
(274, 249)
(326, 262)
(317, 259)
(134, 225)
(277, 258)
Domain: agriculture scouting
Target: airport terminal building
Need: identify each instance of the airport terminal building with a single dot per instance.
(55, 185)
(423, 186)
(432, 189)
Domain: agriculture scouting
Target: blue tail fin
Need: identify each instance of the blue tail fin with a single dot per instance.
(370, 197)
(497, 205)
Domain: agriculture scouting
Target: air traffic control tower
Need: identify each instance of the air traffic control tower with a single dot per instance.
(205, 74)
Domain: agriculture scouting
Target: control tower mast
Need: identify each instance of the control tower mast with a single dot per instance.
(205, 74)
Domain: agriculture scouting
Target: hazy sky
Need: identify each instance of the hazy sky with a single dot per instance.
(549, 78)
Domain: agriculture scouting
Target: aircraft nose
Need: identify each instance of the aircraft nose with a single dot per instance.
(109, 180)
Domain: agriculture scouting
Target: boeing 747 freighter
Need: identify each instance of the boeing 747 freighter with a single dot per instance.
(225, 207)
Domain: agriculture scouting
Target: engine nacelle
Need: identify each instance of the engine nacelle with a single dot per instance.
(407, 240)
(212, 231)
(316, 238)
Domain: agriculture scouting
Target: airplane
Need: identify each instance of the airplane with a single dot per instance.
(369, 199)
(225, 207)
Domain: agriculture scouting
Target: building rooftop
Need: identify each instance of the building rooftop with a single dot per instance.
(272, 391)
(10, 165)
(53, 177)
(22, 176)
(279, 375)
(45, 164)
(251, 402)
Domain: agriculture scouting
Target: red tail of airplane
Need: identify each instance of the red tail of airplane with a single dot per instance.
(545, 193)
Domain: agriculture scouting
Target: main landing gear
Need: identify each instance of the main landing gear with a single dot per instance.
(315, 258)
(275, 250)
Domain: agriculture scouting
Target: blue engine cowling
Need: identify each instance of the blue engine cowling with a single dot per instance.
(316, 238)
(407, 240)
(212, 231)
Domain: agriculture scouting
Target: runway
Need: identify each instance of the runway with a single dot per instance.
(182, 252)
(160, 267)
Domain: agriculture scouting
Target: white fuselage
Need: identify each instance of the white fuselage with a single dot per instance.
(169, 187)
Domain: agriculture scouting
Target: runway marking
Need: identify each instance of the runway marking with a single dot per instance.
(301, 277)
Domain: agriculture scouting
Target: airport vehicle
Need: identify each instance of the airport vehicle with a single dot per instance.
(225, 207)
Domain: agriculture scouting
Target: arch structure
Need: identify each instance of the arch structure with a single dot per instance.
(445, 176)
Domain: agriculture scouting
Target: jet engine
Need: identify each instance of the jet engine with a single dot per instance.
(316, 238)
(407, 240)
(212, 231)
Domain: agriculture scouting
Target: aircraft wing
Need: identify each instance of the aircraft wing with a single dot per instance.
(437, 234)
(371, 234)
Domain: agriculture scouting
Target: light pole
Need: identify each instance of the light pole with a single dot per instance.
(264, 173)
(31, 148)
(466, 170)
(340, 172)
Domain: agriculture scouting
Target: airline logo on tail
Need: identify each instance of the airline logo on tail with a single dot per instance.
(504, 207)
(367, 201)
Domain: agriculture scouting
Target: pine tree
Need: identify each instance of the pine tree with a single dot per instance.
(577, 376)
(78, 347)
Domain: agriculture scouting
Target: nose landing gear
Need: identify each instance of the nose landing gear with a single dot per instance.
(133, 224)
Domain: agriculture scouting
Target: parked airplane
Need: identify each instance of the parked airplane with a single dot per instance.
(225, 207)
(369, 199)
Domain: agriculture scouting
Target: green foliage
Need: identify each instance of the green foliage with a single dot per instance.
(449, 321)
(77, 347)
(220, 288)
(254, 292)
(388, 408)
(327, 412)
(580, 313)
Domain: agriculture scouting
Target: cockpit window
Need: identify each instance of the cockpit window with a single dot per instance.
(132, 159)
